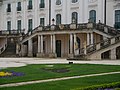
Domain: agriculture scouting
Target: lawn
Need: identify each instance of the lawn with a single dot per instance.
(71, 84)
(40, 72)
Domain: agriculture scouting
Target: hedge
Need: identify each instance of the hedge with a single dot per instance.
(101, 87)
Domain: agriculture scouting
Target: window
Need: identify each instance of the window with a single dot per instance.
(9, 8)
(19, 25)
(74, 1)
(117, 19)
(58, 19)
(42, 21)
(29, 25)
(58, 2)
(30, 4)
(42, 4)
(92, 16)
(19, 6)
(74, 17)
(8, 25)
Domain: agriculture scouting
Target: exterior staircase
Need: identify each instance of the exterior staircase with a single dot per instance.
(10, 50)
(95, 51)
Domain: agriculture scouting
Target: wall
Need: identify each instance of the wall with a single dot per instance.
(65, 9)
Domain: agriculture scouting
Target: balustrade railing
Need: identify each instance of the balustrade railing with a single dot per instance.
(3, 47)
(98, 46)
(98, 26)
(11, 32)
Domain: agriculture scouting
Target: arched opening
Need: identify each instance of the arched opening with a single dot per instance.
(92, 16)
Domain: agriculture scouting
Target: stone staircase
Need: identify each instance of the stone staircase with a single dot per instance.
(95, 51)
(10, 50)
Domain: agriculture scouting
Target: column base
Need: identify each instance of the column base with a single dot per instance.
(52, 55)
(40, 55)
(30, 54)
(70, 55)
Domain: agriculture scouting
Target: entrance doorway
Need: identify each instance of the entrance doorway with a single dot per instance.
(58, 48)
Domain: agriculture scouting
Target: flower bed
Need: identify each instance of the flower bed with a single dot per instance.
(10, 74)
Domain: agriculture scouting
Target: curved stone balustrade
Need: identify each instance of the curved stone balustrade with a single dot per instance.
(3, 47)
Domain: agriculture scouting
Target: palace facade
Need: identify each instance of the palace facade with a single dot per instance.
(86, 29)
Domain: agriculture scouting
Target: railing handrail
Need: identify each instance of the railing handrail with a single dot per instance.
(104, 43)
(12, 32)
(3, 47)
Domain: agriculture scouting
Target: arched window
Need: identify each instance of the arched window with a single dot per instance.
(58, 19)
(58, 2)
(92, 16)
(74, 1)
(117, 19)
(74, 17)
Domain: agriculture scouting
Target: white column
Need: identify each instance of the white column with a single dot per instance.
(113, 54)
(75, 43)
(88, 39)
(30, 47)
(71, 44)
(91, 38)
(54, 44)
(51, 43)
(41, 43)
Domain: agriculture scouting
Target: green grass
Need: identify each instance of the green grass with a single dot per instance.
(69, 84)
(35, 72)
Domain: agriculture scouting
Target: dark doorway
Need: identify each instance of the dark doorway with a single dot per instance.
(58, 48)
(118, 52)
(106, 55)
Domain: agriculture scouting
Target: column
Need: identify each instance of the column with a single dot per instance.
(71, 45)
(41, 41)
(51, 37)
(38, 44)
(30, 47)
(53, 47)
(54, 44)
(113, 54)
(88, 39)
(91, 35)
(75, 42)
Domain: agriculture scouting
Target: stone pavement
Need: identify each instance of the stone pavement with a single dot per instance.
(56, 79)
(18, 62)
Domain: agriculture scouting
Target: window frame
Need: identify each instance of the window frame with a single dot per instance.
(92, 16)
(58, 19)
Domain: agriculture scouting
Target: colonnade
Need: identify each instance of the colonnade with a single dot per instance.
(72, 45)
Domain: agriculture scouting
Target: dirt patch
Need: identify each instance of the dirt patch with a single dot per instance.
(60, 70)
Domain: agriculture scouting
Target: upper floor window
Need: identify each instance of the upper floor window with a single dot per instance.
(58, 19)
(8, 25)
(74, 1)
(58, 2)
(74, 17)
(19, 25)
(42, 21)
(29, 25)
(9, 8)
(117, 19)
(19, 6)
(92, 16)
(42, 3)
(30, 4)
